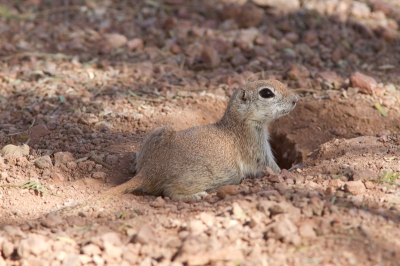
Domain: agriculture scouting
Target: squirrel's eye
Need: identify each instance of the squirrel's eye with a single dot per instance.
(266, 93)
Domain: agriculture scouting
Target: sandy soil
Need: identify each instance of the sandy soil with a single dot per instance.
(82, 82)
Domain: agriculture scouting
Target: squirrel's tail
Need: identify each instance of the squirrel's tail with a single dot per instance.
(134, 184)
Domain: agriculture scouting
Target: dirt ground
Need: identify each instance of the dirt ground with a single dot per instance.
(82, 82)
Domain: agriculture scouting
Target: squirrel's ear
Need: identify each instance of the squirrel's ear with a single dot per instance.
(244, 96)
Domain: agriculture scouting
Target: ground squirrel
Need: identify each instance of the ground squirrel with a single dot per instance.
(198, 160)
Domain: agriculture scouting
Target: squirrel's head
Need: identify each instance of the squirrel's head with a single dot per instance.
(262, 101)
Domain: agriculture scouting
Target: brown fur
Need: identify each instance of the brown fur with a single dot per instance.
(196, 161)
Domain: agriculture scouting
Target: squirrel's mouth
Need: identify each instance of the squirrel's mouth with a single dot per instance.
(285, 112)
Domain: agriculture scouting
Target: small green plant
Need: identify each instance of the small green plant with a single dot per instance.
(380, 109)
(83, 228)
(336, 176)
(36, 186)
(388, 178)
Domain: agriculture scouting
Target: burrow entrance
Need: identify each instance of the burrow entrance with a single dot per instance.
(284, 150)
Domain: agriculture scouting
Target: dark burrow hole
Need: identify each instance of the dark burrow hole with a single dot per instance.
(284, 150)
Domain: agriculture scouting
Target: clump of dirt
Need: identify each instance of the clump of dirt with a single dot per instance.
(83, 82)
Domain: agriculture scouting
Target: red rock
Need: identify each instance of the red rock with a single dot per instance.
(196, 227)
(111, 252)
(57, 177)
(3, 175)
(192, 51)
(357, 200)
(225, 254)
(112, 238)
(287, 175)
(39, 131)
(71, 259)
(230, 11)
(175, 49)
(387, 34)
(284, 45)
(364, 83)
(135, 44)
(145, 235)
(116, 40)
(207, 218)
(284, 228)
(307, 231)
(325, 224)
(268, 171)
(256, 257)
(382, 6)
(337, 54)
(218, 44)
(311, 38)
(307, 211)
(182, 205)
(83, 259)
(52, 221)
(210, 56)
(246, 38)
(97, 260)
(393, 24)
(334, 96)
(8, 249)
(275, 178)
(278, 208)
(72, 165)
(332, 78)
(364, 30)
(76, 44)
(292, 37)
(354, 187)
(14, 232)
(226, 191)
(287, 5)
(317, 206)
(238, 59)
(363, 175)
(330, 191)
(289, 181)
(170, 22)
(99, 175)
(389, 101)
(35, 244)
(159, 202)
(264, 205)
(111, 159)
(249, 15)
(281, 187)
(74, 131)
(43, 162)
(297, 72)
(369, 185)
(91, 250)
(63, 158)
(360, 10)
(338, 131)
(261, 51)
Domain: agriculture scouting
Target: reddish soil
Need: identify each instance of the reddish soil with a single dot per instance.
(82, 82)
